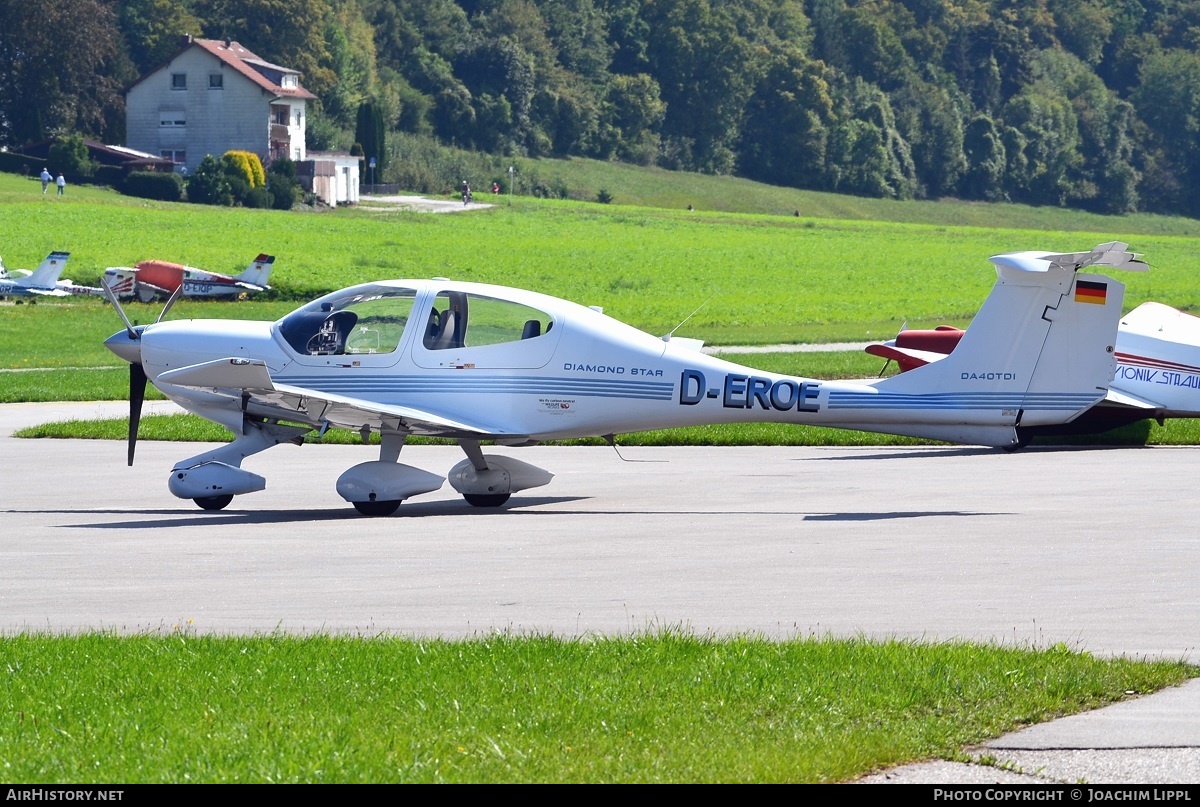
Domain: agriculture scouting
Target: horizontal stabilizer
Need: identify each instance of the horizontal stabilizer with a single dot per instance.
(1114, 255)
(1125, 399)
(907, 358)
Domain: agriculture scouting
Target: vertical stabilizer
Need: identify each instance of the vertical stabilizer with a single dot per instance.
(258, 272)
(46, 275)
(1041, 349)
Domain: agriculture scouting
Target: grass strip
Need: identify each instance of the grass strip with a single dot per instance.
(174, 706)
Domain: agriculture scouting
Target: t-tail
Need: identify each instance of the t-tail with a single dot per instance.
(1040, 351)
(48, 273)
(258, 272)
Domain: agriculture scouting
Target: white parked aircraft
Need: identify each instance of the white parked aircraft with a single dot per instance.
(476, 363)
(43, 281)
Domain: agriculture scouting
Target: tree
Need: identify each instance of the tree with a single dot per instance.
(1168, 99)
(351, 46)
(633, 113)
(786, 129)
(707, 72)
(929, 119)
(287, 32)
(369, 133)
(69, 155)
(153, 29)
(986, 163)
(62, 64)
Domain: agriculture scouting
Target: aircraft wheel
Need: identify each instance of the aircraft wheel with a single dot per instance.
(214, 502)
(377, 508)
(486, 499)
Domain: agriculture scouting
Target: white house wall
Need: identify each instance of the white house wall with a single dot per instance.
(235, 117)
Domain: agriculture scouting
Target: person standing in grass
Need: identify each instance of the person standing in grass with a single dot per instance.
(62, 184)
(45, 180)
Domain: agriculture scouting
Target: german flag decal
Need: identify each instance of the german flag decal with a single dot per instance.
(1089, 291)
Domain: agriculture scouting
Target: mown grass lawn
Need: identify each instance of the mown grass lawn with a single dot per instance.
(665, 707)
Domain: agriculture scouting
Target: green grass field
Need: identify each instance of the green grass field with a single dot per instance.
(669, 707)
(657, 708)
(756, 278)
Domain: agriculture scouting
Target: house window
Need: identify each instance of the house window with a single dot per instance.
(290, 82)
(216, 81)
(179, 81)
(172, 119)
(296, 116)
(174, 155)
(279, 114)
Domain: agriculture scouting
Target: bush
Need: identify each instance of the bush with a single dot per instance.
(113, 176)
(69, 155)
(246, 165)
(209, 185)
(238, 188)
(282, 167)
(153, 185)
(11, 163)
(283, 192)
(256, 197)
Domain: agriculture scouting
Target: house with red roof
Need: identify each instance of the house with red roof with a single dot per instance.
(215, 96)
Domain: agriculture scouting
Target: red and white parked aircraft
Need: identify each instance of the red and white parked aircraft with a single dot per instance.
(150, 279)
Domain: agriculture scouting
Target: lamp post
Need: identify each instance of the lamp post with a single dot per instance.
(511, 171)
(372, 164)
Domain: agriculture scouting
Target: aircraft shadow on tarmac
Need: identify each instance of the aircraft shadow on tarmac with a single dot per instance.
(517, 507)
(889, 516)
(954, 451)
(341, 513)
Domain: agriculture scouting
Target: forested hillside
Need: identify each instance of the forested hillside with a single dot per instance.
(1084, 103)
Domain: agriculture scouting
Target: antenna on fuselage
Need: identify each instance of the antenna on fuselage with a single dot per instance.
(667, 336)
(611, 439)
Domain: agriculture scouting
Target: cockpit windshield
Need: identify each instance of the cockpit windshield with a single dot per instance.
(362, 319)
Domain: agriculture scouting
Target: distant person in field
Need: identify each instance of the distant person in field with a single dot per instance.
(496, 187)
(45, 180)
(62, 184)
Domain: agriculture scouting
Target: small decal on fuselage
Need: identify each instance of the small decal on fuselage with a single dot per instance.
(556, 406)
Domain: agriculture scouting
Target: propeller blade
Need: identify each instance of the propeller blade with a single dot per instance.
(112, 298)
(170, 302)
(137, 394)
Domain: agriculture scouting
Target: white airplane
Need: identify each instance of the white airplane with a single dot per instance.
(43, 281)
(1157, 373)
(150, 279)
(476, 363)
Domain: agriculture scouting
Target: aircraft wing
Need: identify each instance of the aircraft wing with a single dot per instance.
(45, 292)
(236, 378)
(154, 287)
